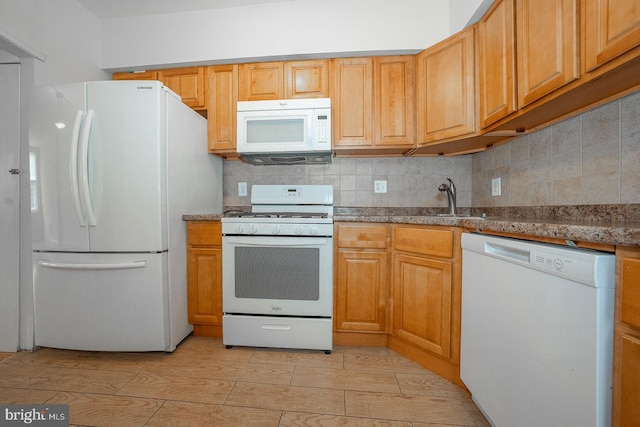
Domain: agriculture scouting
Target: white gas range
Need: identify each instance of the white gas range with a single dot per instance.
(277, 269)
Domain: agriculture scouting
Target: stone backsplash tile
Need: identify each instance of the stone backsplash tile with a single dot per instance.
(591, 159)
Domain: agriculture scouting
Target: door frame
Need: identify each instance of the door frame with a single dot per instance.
(10, 203)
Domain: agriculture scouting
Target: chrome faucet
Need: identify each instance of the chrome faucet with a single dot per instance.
(451, 195)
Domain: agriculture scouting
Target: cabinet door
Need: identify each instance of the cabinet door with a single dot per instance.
(611, 28)
(626, 365)
(629, 289)
(422, 290)
(352, 100)
(204, 286)
(361, 291)
(223, 99)
(189, 83)
(446, 89)
(141, 75)
(496, 63)
(394, 114)
(548, 50)
(628, 409)
(204, 272)
(261, 81)
(306, 79)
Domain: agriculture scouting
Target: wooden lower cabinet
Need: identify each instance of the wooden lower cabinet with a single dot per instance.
(204, 277)
(361, 284)
(422, 302)
(426, 295)
(405, 295)
(626, 367)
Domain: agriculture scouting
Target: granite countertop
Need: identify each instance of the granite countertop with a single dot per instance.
(605, 224)
(202, 217)
(624, 234)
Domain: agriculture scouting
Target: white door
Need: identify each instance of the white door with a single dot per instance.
(9, 205)
(127, 164)
(58, 222)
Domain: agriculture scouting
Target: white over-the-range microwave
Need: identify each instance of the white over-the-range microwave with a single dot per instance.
(288, 131)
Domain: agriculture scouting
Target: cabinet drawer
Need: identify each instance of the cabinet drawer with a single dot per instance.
(630, 290)
(362, 236)
(424, 241)
(204, 233)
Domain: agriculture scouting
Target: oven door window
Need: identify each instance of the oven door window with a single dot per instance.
(277, 273)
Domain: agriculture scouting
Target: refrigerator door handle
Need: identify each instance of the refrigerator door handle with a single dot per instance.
(84, 169)
(97, 266)
(73, 166)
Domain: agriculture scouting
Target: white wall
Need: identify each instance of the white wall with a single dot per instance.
(287, 29)
(65, 33)
(461, 11)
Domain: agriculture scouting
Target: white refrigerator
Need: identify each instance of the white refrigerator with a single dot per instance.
(114, 166)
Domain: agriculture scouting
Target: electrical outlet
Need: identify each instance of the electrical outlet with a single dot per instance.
(496, 187)
(380, 186)
(242, 189)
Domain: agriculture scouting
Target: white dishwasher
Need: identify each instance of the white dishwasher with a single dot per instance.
(537, 332)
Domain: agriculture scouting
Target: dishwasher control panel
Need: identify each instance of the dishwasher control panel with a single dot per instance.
(561, 263)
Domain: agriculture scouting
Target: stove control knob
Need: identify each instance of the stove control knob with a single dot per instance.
(298, 229)
(313, 230)
(276, 229)
(253, 229)
(239, 228)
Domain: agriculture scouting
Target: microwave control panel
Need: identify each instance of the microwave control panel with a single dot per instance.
(323, 128)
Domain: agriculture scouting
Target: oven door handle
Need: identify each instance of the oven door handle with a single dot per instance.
(277, 241)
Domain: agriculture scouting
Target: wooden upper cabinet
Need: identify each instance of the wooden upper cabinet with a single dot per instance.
(136, 75)
(394, 111)
(261, 81)
(446, 88)
(496, 63)
(373, 104)
(352, 102)
(223, 100)
(610, 28)
(190, 83)
(548, 47)
(306, 79)
(284, 80)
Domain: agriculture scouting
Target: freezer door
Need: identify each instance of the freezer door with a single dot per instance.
(55, 121)
(127, 166)
(112, 302)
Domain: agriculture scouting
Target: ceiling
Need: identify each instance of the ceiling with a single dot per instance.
(105, 9)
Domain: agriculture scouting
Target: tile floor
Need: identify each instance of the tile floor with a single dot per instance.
(204, 384)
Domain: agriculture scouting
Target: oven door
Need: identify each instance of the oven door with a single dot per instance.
(283, 276)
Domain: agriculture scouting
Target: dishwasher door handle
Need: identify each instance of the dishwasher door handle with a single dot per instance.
(508, 253)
